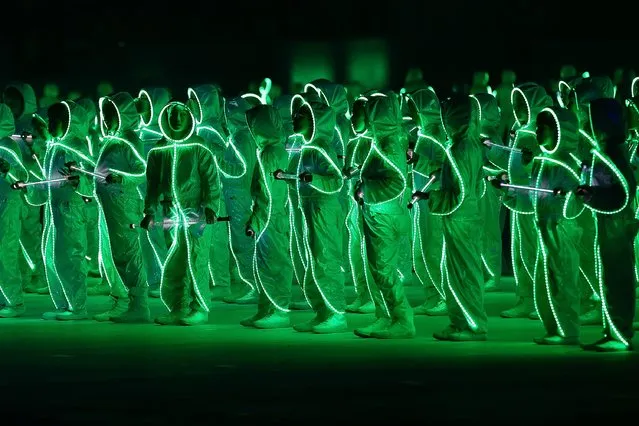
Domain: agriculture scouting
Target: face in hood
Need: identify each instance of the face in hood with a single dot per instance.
(21, 98)
(460, 117)
(149, 103)
(7, 124)
(489, 114)
(607, 120)
(265, 124)
(557, 131)
(207, 103)
(177, 123)
(528, 100)
(67, 119)
(236, 111)
(315, 122)
(118, 114)
(333, 94)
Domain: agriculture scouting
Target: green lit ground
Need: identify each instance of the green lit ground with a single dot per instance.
(60, 373)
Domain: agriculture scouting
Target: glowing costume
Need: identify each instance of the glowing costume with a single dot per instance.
(149, 103)
(356, 150)
(296, 228)
(557, 295)
(610, 191)
(319, 186)
(11, 206)
(528, 100)
(22, 100)
(490, 204)
(334, 95)
(382, 186)
(65, 240)
(182, 186)
(268, 221)
(95, 284)
(120, 169)
(208, 108)
(424, 109)
(584, 91)
(237, 166)
(458, 200)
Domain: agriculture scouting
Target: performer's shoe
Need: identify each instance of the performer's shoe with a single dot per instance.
(335, 323)
(608, 344)
(138, 310)
(277, 319)
(549, 340)
(307, 327)
(12, 311)
(439, 310)
(73, 315)
(379, 324)
(534, 315)
(52, 315)
(453, 334)
(155, 293)
(399, 329)
(172, 318)
(118, 308)
(195, 317)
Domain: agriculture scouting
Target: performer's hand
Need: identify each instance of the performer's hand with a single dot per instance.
(146, 221)
(113, 178)
(306, 177)
(210, 216)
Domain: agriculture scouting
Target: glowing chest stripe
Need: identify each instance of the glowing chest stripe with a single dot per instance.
(65, 147)
(16, 159)
(456, 172)
(226, 143)
(569, 196)
(108, 141)
(375, 149)
(622, 180)
(267, 188)
(335, 167)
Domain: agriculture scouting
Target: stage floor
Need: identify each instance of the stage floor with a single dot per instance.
(222, 373)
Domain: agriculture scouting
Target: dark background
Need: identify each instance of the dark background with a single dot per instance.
(178, 43)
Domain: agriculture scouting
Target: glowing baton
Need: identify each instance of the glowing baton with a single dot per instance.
(496, 145)
(78, 169)
(20, 185)
(23, 137)
(280, 175)
(169, 223)
(530, 188)
(417, 196)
